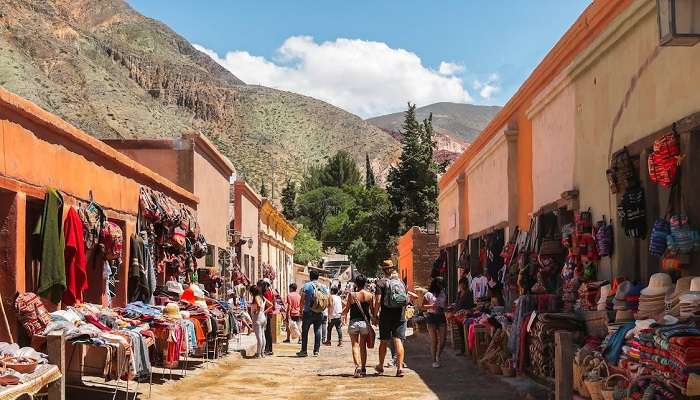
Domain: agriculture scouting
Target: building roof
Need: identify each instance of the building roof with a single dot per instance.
(80, 142)
(273, 215)
(586, 28)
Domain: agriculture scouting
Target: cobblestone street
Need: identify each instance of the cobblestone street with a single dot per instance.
(329, 376)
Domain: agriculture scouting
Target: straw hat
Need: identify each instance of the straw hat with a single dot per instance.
(624, 316)
(172, 311)
(659, 283)
(174, 287)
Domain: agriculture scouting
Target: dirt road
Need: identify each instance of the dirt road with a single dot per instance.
(329, 376)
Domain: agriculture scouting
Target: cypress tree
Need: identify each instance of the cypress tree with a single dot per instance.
(263, 189)
(289, 196)
(369, 173)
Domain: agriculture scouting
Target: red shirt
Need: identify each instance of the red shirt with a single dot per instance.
(294, 304)
(271, 297)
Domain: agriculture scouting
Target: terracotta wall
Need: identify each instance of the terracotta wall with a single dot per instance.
(165, 161)
(417, 252)
(212, 187)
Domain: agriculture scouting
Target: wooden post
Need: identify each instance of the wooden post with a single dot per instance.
(56, 347)
(563, 365)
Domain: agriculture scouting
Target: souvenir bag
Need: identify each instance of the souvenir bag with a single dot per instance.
(178, 237)
(148, 206)
(682, 239)
(604, 238)
(658, 237)
(200, 247)
(32, 313)
(664, 159)
(621, 174)
(92, 217)
(632, 212)
(111, 241)
(584, 221)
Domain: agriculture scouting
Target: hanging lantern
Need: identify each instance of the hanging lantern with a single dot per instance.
(679, 22)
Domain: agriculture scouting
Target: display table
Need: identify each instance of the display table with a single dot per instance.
(32, 383)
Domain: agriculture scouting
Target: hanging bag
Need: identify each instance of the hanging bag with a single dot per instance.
(111, 241)
(621, 174)
(664, 160)
(604, 238)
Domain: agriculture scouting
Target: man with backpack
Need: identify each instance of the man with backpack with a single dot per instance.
(390, 303)
(314, 297)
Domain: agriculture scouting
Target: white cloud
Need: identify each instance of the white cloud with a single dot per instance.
(488, 87)
(448, 68)
(364, 77)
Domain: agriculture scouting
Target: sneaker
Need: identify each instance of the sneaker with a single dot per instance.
(340, 344)
(269, 353)
(436, 364)
(286, 341)
(302, 354)
(315, 353)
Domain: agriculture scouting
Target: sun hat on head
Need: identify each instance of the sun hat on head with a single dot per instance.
(659, 283)
(172, 311)
(387, 264)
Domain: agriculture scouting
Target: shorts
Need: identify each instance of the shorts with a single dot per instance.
(358, 327)
(392, 329)
(435, 319)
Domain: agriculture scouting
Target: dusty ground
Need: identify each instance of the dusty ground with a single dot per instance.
(284, 376)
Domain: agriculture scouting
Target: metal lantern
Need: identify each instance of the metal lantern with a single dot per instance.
(679, 22)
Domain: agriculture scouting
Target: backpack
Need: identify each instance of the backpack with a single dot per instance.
(632, 212)
(111, 241)
(621, 174)
(663, 161)
(320, 300)
(394, 295)
(32, 313)
(604, 237)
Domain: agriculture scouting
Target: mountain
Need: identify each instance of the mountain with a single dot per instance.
(114, 73)
(461, 122)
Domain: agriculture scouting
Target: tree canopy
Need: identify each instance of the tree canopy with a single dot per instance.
(306, 247)
(289, 195)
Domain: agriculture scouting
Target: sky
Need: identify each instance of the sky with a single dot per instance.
(371, 57)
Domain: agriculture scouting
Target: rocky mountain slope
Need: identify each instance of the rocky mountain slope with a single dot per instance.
(461, 122)
(116, 74)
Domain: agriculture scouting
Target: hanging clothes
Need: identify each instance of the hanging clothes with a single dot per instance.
(52, 275)
(138, 276)
(150, 269)
(75, 259)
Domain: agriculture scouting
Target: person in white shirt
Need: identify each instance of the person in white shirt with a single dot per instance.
(335, 313)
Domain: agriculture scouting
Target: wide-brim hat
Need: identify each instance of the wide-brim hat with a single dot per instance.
(683, 285)
(387, 264)
(172, 311)
(624, 316)
(174, 287)
(659, 283)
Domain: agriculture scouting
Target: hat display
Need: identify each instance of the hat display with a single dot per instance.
(172, 311)
(624, 315)
(602, 301)
(689, 302)
(659, 283)
(683, 286)
(623, 289)
(174, 287)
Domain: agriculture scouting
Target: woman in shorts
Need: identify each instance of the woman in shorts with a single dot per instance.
(358, 306)
(434, 303)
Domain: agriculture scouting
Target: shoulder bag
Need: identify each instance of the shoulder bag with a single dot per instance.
(371, 335)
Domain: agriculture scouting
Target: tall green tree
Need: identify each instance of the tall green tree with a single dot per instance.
(340, 170)
(370, 180)
(317, 206)
(412, 183)
(306, 247)
(311, 179)
(263, 189)
(289, 197)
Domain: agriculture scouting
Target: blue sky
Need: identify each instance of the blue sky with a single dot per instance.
(371, 57)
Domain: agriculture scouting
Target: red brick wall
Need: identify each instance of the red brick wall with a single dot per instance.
(417, 252)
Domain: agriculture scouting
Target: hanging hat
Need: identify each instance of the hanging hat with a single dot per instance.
(659, 283)
(172, 311)
(198, 292)
(174, 287)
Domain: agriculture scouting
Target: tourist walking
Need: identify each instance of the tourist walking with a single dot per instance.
(257, 313)
(293, 306)
(434, 304)
(358, 306)
(390, 300)
(267, 293)
(314, 297)
(335, 312)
